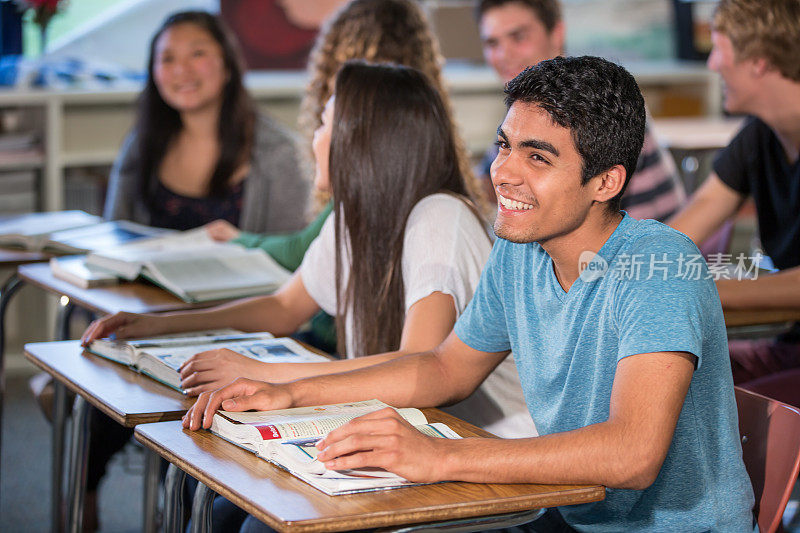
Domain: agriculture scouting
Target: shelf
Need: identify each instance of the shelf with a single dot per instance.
(22, 160)
(88, 158)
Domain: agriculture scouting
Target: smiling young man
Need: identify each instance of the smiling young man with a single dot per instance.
(625, 370)
(518, 33)
(756, 51)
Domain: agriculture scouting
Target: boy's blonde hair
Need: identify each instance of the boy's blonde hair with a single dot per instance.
(763, 28)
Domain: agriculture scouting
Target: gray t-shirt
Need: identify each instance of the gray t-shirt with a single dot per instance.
(654, 296)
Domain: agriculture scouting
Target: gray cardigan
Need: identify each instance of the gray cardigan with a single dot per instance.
(275, 191)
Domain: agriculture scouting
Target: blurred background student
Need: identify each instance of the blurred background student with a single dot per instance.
(199, 150)
(518, 33)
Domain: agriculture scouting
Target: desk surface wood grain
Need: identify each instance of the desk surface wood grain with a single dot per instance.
(757, 317)
(287, 504)
(134, 297)
(123, 394)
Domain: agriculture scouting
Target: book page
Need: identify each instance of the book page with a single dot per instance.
(104, 236)
(307, 421)
(268, 350)
(185, 239)
(128, 351)
(208, 336)
(250, 268)
(46, 223)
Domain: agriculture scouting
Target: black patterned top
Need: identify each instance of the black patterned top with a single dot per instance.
(175, 211)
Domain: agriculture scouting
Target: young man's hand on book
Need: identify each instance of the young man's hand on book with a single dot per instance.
(213, 369)
(384, 440)
(124, 326)
(241, 395)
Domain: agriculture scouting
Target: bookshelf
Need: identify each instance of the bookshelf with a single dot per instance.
(85, 128)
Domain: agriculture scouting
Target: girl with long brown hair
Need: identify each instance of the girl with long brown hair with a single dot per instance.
(379, 31)
(395, 262)
(388, 31)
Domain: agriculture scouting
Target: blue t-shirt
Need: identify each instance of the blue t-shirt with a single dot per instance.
(654, 295)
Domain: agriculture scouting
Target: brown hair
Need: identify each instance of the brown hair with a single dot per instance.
(392, 144)
(547, 11)
(157, 123)
(387, 31)
(763, 28)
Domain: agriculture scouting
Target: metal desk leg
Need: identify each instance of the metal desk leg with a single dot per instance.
(201, 509)
(152, 468)
(64, 316)
(481, 523)
(173, 495)
(59, 424)
(11, 286)
(77, 476)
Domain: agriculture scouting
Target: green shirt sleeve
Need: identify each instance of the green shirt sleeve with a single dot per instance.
(287, 249)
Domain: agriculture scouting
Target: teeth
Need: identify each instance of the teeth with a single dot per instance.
(513, 204)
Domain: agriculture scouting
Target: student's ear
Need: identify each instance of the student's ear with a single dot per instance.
(760, 66)
(608, 184)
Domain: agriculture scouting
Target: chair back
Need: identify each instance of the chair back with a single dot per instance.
(770, 433)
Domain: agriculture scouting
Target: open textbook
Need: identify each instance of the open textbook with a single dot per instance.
(286, 438)
(194, 267)
(32, 231)
(70, 232)
(161, 357)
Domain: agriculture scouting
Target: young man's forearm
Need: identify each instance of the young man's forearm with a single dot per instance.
(605, 454)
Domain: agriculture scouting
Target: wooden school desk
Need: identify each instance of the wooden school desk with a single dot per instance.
(759, 323)
(757, 317)
(694, 139)
(126, 396)
(10, 259)
(287, 504)
(135, 297)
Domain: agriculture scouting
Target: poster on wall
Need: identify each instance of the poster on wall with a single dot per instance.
(276, 34)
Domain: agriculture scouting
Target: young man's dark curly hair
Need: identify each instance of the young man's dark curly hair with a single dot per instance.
(597, 100)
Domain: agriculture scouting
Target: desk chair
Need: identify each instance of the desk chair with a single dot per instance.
(781, 386)
(770, 433)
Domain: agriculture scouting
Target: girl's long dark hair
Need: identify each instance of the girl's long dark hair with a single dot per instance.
(392, 144)
(157, 124)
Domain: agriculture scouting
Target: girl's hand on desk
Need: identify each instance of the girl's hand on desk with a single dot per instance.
(124, 326)
(222, 230)
(210, 370)
(385, 440)
(241, 395)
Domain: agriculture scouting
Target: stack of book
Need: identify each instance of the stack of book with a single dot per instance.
(188, 264)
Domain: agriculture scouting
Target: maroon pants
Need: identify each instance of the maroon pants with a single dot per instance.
(767, 367)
